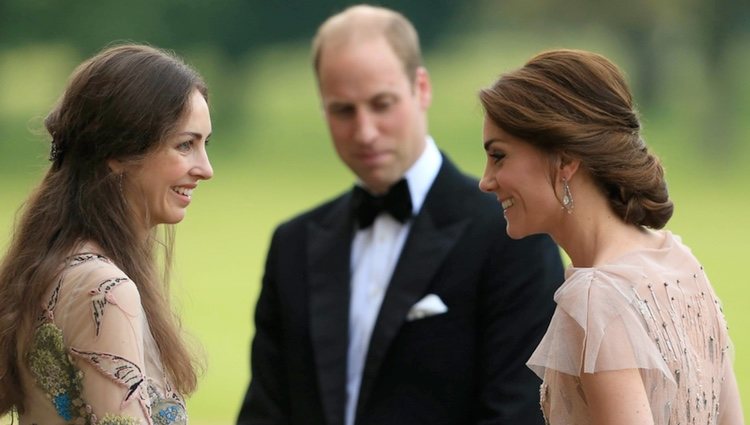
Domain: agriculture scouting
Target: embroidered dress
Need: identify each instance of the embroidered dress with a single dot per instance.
(653, 310)
(93, 359)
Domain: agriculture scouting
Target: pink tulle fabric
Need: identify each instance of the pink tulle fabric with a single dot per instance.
(653, 310)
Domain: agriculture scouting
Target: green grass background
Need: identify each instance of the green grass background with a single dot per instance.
(276, 160)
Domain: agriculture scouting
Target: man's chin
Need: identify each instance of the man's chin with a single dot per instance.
(378, 184)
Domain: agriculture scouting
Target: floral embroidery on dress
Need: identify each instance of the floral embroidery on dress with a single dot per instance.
(53, 368)
(118, 420)
(47, 314)
(101, 296)
(168, 413)
(78, 259)
(122, 371)
(167, 408)
(54, 371)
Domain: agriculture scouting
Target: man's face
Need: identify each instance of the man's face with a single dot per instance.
(376, 116)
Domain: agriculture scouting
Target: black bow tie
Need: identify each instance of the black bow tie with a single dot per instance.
(397, 203)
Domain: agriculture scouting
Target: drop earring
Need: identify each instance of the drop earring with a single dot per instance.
(567, 199)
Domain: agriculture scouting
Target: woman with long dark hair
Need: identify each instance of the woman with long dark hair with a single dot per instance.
(87, 333)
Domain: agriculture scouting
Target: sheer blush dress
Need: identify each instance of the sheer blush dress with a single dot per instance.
(652, 310)
(93, 359)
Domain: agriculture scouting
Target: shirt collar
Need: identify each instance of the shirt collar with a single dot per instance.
(422, 173)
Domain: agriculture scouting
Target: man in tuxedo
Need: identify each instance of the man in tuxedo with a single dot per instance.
(402, 301)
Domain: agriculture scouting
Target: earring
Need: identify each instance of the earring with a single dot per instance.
(119, 182)
(567, 200)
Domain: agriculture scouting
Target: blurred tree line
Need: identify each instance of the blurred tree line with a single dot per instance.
(233, 26)
(717, 31)
(237, 27)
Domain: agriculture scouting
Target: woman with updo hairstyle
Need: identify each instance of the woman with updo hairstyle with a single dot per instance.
(87, 331)
(638, 335)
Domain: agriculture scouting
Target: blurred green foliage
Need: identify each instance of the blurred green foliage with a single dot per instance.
(233, 27)
(660, 43)
(271, 154)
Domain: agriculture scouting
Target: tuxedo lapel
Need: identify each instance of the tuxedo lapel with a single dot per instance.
(328, 253)
(434, 232)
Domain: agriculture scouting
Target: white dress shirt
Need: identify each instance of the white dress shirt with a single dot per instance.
(375, 252)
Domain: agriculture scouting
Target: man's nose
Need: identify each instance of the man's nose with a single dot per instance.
(366, 127)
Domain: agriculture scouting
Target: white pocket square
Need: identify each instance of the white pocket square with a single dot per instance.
(430, 305)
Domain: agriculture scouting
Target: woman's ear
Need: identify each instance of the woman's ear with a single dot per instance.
(568, 167)
(116, 166)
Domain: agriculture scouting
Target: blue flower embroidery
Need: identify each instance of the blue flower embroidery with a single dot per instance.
(169, 414)
(62, 405)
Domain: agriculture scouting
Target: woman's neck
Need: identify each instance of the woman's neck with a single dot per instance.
(593, 234)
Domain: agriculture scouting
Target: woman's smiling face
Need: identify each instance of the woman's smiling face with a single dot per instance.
(519, 175)
(164, 182)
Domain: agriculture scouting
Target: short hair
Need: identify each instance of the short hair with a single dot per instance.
(577, 104)
(364, 22)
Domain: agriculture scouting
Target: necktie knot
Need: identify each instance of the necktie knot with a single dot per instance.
(396, 202)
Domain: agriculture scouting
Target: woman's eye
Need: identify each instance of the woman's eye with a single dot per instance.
(185, 146)
(497, 156)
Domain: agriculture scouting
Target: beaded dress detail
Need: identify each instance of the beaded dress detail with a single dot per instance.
(652, 310)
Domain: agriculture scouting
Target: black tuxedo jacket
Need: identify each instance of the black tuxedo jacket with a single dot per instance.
(466, 366)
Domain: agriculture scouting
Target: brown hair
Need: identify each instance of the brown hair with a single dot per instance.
(576, 104)
(363, 22)
(120, 104)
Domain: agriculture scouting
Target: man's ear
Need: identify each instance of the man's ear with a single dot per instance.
(424, 87)
(116, 166)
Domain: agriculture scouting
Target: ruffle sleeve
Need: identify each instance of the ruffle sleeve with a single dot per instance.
(653, 310)
(600, 324)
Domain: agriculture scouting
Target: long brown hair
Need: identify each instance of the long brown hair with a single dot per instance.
(120, 104)
(573, 103)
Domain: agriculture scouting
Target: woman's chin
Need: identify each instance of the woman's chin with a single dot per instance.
(515, 233)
